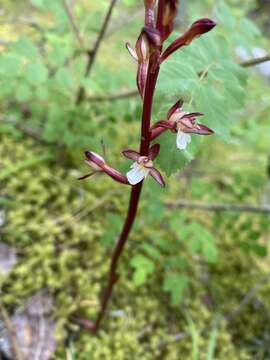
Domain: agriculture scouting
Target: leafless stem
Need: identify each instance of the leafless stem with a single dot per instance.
(114, 97)
(218, 207)
(248, 297)
(133, 93)
(255, 61)
(229, 316)
(73, 24)
(11, 333)
(91, 54)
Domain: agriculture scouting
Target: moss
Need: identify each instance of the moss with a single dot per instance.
(56, 224)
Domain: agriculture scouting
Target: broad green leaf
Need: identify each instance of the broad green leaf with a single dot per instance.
(143, 268)
(26, 48)
(23, 92)
(64, 79)
(170, 158)
(151, 251)
(209, 251)
(10, 65)
(36, 73)
(56, 124)
(175, 284)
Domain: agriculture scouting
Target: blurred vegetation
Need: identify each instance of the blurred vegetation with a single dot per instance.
(185, 274)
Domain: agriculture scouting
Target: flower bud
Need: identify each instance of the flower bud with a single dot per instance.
(198, 28)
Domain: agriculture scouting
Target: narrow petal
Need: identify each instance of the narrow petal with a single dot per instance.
(87, 175)
(157, 176)
(131, 154)
(131, 51)
(182, 140)
(198, 28)
(142, 48)
(202, 130)
(141, 77)
(193, 115)
(169, 13)
(177, 106)
(167, 124)
(153, 151)
(137, 174)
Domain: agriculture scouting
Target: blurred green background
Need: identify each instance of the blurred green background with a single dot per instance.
(194, 284)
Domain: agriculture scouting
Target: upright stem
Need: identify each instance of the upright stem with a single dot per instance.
(113, 276)
(135, 194)
(91, 54)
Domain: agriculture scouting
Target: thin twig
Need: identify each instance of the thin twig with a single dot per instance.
(73, 24)
(133, 93)
(255, 61)
(218, 207)
(92, 54)
(114, 97)
(11, 333)
(247, 298)
(227, 317)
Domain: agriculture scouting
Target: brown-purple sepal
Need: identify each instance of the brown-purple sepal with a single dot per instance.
(157, 176)
(169, 12)
(98, 164)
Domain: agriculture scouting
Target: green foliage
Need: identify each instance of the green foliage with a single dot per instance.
(206, 76)
(143, 267)
(47, 69)
(172, 266)
(175, 284)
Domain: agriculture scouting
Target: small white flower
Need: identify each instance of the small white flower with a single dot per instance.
(143, 166)
(182, 140)
(137, 174)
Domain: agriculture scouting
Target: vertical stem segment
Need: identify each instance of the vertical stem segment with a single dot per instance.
(113, 276)
(91, 54)
(135, 193)
(152, 75)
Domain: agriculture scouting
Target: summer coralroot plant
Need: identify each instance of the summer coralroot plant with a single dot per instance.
(149, 54)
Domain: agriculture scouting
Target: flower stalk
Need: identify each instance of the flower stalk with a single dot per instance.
(149, 56)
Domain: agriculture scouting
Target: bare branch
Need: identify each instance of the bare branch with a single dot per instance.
(248, 297)
(218, 207)
(73, 24)
(255, 61)
(93, 53)
(133, 93)
(114, 97)
(229, 316)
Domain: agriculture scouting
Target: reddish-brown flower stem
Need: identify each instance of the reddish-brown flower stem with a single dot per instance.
(135, 192)
(113, 276)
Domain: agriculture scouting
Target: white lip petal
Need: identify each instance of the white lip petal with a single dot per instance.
(182, 140)
(137, 174)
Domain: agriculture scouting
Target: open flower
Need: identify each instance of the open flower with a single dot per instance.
(98, 165)
(143, 166)
(181, 122)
